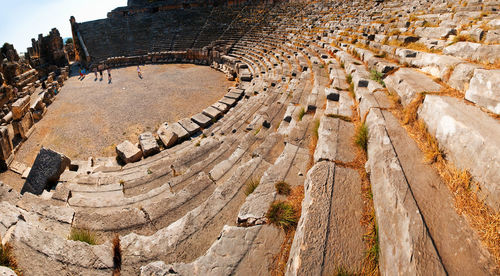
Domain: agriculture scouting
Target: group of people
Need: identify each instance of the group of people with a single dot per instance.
(99, 68)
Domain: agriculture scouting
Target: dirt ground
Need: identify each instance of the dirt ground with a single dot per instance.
(90, 117)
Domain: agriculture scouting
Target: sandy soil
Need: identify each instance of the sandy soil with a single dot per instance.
(90, 117)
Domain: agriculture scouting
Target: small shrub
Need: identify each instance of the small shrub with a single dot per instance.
(377, 76)
(302, 112)
(282, 214)
(282, 188)
(83, 235)
(197, 144)
(150, 171)
(349, 78)
(361, 138)
(251, 186)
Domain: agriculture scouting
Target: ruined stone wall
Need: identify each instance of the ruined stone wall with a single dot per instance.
(146, 27)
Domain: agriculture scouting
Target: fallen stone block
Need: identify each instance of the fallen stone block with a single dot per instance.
(20, 107)
(128, 152)
(148, 144)
(212, 112)
(221, 106)
(228, 101)
(484, 89)
(470, 139)
(179, 131)
(201, 120)
(45, 172)
(189, 126)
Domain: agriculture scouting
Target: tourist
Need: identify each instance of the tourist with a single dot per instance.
(109, 75)
(81, 73)
(95, 73)
(101, 68)
(44, 86)
(139, 71)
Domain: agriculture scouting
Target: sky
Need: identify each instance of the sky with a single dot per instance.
(22, 20)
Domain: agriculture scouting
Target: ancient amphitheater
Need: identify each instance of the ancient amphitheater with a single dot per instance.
(355, 138)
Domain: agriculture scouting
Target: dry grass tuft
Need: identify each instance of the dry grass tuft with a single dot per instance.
(280, 259)
(251, 186)
(83, 235)
(341, 117)
(313, 142)
(7, 257)
(283, 188)
(410, 112)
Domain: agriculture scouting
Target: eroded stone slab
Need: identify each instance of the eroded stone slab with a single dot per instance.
(407, 83)
(470, 138)
(220, 259)
(484, 89)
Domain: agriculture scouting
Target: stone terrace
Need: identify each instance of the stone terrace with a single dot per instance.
(420, 78)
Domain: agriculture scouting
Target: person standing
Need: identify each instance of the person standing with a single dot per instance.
(109, 75)
(100, 70)
(95, 73)
(139, 72)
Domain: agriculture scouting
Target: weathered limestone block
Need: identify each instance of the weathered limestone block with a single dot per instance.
(228, 101)
(9, 216)
(46, 169)
(461, 76)
(221, 106)
(438, 66)
(60, 250)
(484, 89)
(20, 107)
(407, 83)
(5, 143)
(190, 126)
(405, 245)
(326, 148)
(167, 135)
(148, 144)
(212, 112)
(470, 138)
(201, 120)
(473, 51)
(221, 258)
(128, 152)
(435, 32)
(306, 253)
(23, 126)
(179, 131)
